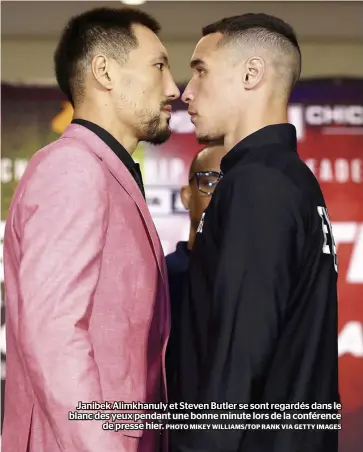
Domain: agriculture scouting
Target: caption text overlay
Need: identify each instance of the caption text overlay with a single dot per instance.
(117, 416)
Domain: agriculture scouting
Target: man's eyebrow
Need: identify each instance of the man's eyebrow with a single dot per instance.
(196, 62)
(164, 59)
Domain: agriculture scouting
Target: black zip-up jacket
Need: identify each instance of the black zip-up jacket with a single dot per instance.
(259, 324)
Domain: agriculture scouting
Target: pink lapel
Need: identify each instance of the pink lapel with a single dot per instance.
(122, 175)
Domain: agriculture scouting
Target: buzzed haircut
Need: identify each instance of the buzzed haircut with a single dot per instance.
(194, 163)
(262, 31)
(104, 30)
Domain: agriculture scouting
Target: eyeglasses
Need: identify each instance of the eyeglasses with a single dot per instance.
(206, 181)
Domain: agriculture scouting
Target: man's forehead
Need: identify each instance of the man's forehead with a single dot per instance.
(207, 46)
(148, 41)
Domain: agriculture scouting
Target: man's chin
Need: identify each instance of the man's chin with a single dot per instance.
(203, 139)
(210, 139)
(159, 137)
(206, 136)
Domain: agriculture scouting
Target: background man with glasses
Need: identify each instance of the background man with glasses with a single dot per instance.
(204, 174)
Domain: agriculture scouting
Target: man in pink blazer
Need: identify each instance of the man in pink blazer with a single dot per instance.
(86, 286)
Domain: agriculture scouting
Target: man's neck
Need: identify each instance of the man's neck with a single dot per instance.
(108, 122)
(253, 122)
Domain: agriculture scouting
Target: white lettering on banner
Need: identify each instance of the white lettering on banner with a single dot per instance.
(178, 205)
(295, 117)
(351, 232)
(339, 170)
(159, 200)
(6, 171)
(326, 173)
(342, 167)
(324, 115)
(357, 171)
(163, 171)
(350, 340)
(350, 115)
(355, 270)
(12, 169)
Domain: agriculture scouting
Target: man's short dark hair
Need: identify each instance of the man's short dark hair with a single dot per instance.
(262, 30)
(101, 29)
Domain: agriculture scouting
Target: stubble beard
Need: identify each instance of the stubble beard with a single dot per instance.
(153, 132)
(210, 138)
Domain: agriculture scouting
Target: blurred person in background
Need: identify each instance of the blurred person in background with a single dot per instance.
(261, 313)
(87, 315)
(204, 175)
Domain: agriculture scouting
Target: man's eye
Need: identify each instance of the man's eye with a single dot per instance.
(200, 70)
(160, 66)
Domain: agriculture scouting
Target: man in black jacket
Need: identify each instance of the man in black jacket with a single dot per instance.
(260, 319)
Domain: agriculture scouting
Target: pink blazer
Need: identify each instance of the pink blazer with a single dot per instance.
(87, 307)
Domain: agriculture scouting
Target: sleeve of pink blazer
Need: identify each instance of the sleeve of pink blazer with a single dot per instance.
(63, 221)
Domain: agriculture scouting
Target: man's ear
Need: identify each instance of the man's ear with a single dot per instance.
(254, 70)
(185, 194)
(102, 71)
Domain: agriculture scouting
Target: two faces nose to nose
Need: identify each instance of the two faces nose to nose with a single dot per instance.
(186, 97)
(175, 94)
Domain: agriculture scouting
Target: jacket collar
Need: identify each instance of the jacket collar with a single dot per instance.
(124, 178)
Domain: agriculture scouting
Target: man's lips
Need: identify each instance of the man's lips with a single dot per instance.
(192, 113)
(167, 108)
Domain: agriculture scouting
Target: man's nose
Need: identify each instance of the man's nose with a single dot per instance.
(187, 95)
(173, 91)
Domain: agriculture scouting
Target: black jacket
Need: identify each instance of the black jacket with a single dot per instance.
(260, 319)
